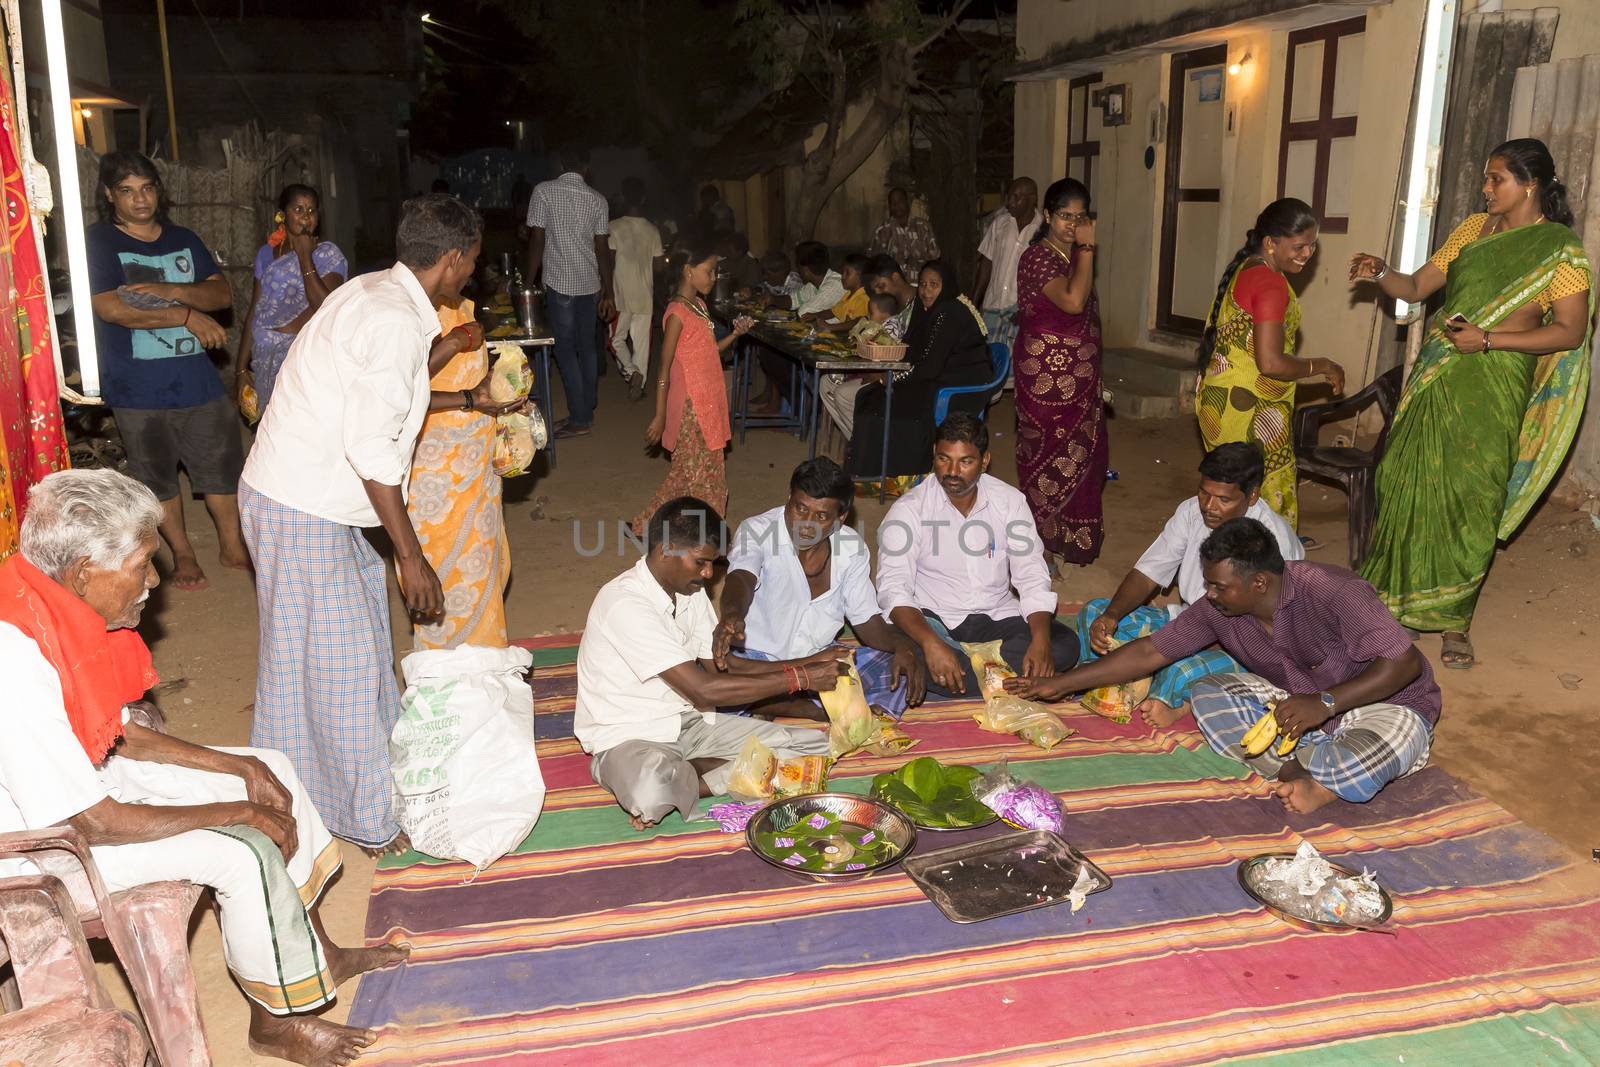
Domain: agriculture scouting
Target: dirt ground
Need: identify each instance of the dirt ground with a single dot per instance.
(1519, 727)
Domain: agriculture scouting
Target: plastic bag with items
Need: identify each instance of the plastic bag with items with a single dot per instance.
(1118, 702)
(759, 775)
(1004, 713)
(850, 722)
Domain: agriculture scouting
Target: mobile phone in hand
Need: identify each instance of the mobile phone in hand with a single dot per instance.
(1456, 321)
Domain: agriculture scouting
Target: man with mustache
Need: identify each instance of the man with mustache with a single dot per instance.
(1230, 487)
(796, 574)
(153, 807)
(647, 680)
(961, 561)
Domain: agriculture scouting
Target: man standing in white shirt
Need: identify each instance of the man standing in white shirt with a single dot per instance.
(796, 574)
(1005, 238)
(1230, 487)
(646, 677)
(568, 223)
(637, 245)
(332, 457)
(950, 554)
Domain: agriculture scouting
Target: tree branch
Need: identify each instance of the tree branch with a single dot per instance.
(943, 26)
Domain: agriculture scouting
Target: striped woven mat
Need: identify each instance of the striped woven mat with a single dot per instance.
(597, 945)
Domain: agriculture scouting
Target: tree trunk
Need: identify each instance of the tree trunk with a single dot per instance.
(833, 160)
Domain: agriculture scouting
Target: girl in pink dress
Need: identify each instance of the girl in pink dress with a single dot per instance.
(691, 419)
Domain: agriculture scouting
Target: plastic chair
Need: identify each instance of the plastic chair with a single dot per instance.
(148, 927)
(1000, 357)
(60, 1014)
(1352, 468)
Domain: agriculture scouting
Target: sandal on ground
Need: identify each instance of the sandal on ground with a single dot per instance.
(1310, 544)
(1457, 652)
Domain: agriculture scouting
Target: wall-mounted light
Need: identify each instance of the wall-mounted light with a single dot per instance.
(1237, 66)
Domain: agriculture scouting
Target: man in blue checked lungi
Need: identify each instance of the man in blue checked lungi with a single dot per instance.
(1354, 702)
(1230, 486)
(332, 458)
(796, 575)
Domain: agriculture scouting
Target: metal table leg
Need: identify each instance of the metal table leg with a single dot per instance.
(816, 411)
(888, 412)
(548, 392)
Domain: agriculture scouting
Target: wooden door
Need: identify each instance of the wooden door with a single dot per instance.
(1192, 196)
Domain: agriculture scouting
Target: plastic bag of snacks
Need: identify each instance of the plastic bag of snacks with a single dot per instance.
(752, 771)
(517, 439)
(1004, 713)
(849, 716)
(1025, 805)
(250, 402)
(1117, 702)
(887, 739)
(800, 775)
(510, 378)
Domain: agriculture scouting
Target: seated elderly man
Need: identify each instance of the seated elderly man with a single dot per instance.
(1341, 677)
(950, 553)
(647, 680)
(1230, 486)
(796, 574)
(154, 808)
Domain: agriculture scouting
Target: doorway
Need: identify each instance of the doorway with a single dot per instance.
(1192, 197)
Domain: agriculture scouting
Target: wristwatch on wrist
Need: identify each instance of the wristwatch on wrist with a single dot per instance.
(1328, 703)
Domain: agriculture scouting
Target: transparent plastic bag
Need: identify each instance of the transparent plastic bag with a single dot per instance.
(751, 778)
(1024, 804)
(850, 722)
(1004, 713)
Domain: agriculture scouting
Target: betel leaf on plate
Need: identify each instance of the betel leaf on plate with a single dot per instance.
(933, 794)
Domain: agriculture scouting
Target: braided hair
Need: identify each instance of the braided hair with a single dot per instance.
(1279, 219)
(1529, 160)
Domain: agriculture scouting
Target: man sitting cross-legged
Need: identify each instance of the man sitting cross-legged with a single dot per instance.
(152, 807)
(951, 551)
(1319, 645)
(1230, 486)
(646, 676)
(796, 573)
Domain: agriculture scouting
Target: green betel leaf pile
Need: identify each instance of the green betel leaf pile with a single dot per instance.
(933, 794)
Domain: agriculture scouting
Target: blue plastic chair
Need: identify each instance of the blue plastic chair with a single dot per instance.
(1000, 356)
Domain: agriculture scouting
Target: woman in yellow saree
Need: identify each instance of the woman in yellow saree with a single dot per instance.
(1248, 365)
(454, 504)
(1494, 400)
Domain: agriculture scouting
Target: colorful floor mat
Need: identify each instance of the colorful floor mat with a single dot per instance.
(593, 944)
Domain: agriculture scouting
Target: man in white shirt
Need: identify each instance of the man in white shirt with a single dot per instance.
(796, 574)
(83, 750)
(333, 456)
(646, 677)
(961, 561)
(1004, 240)
(568, 223)
(1230, 487)
(821, 286)
(637, 245)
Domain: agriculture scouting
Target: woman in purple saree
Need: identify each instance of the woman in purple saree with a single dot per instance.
(295, 271)
(1061, 429)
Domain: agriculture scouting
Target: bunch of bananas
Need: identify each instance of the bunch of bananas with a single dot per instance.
(1260, 736)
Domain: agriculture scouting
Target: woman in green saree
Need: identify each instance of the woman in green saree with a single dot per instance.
(1494, 399)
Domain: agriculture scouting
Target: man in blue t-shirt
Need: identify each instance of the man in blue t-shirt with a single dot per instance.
(154, 284)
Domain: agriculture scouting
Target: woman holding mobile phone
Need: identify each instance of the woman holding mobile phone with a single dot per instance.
(1494, 399)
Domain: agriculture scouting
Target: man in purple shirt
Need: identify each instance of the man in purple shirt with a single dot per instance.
(961, 561)
(1344, 678)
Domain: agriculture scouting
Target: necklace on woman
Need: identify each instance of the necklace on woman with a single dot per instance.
(694, 306)
(1050, 241)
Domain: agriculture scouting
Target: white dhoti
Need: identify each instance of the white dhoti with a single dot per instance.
(839, 399)
(651, 778)
(267, 936)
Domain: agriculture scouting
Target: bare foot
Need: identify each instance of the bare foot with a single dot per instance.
(307, 1039)
(1300, 792)
(237, 559)
(398, 845)
(638, 823)
(1158, 716)
(346, 963)
(186, 573)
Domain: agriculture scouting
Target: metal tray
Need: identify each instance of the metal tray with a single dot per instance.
(1002, 875)
(1247, 882)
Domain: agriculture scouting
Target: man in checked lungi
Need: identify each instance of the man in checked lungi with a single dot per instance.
(1354, 701)
(153, 808)
(1230, 486)
(332, 458)
(647, 682)
(796, 574)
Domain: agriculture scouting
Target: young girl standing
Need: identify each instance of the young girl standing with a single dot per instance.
(691, 419)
